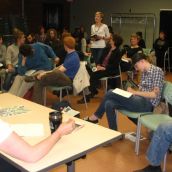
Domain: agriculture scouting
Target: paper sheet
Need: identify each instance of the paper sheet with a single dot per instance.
(68, 110)
(28, 130)
(125, 60)
(122, 92)
(30, 72)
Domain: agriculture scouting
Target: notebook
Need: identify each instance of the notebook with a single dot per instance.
(122, 92)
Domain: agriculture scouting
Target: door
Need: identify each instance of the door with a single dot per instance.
(52, 15)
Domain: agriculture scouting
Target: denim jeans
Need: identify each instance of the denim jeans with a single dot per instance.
(114, 101)
(9, 77)
(97, 54)
(160, 143)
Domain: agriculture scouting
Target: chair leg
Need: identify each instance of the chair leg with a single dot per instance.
(164, 61)
(137, 143)
(164, 164)
(121, 83)
(85, 99)
(116, 112)
(61, 90)
(168, 62)
(67, 91)
(45, 95)
(106, 85)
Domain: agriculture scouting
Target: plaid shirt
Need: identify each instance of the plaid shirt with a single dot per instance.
(150, 79)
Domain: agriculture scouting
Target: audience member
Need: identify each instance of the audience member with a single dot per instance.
(99, 35)
(30, 39)
(60, 76)
(52, 40)
(2, 51)
(160, 143)
(32, 58)
(83, 32)
(129, 51)
(109, 67)
(143, 100)
(11, 58)
(61, 53)
(160, 46)
(41, 37)
(13, 145)
(141, 42)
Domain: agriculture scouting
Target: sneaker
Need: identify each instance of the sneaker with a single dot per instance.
(150, 168)
(92, 121)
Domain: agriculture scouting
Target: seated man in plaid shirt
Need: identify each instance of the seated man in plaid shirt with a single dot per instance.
(143, 100)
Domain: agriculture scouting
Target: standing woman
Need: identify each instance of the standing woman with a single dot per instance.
(99, 35)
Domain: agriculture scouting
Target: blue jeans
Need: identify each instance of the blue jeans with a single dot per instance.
(9, 77)
(160, 143)
(114, 101)
(97, 54)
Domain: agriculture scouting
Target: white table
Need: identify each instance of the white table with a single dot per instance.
(68, 149)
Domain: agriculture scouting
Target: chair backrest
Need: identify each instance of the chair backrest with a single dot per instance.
(147, 51)
(81, 79)
(167, 92)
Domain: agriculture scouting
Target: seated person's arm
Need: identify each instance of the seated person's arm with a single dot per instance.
(153, 94)
(8, 61)
(28, 153)
(124, 57)
(56, 60)
(62, 68)
(100, 68)
(22, 65)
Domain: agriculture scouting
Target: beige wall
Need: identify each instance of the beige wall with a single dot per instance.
(82, 11)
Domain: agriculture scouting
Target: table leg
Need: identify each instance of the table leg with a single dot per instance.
(71, 166)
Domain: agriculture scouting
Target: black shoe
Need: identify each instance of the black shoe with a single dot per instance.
(92, 121)
(150, 168)
(93, 93)
(82, 101)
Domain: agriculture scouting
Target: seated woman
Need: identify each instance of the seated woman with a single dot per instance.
(129, 52)
(52, 40)
(33, 58)
(109, 67)
(144, 99)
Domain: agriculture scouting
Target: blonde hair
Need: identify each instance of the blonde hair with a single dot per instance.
(17, 34)
(134, 35)
(100, 13)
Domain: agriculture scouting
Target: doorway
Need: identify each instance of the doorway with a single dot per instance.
(52, 15)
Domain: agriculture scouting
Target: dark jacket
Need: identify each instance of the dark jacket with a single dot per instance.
(114, 60)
